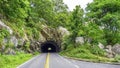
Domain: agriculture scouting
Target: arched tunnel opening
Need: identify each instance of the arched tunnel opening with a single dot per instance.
(49, 46)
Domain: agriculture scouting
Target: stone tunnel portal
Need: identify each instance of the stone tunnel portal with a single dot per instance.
(49, 46)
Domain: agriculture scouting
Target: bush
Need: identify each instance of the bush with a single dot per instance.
(97, 51)
(86, 51)
(117, 58)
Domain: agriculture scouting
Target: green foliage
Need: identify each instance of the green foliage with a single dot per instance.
(36, 34)
(100, 23)
(66, 42)
(42, 10)
(59, 6)
(14, 13)
(76, 22)
(61, 19)
(92, 31)
(28, 15)
(117, 58)
(106, 14)
(77, 19)
(27, 45)
(86, 49)
(14, 8)
(12, 61)
(97, 51)
(4, 34)
(9, 45)
(86, 52)
(61, 15)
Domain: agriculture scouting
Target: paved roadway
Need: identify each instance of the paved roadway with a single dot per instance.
(53, 60)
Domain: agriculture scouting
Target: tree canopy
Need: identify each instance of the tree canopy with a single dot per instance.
(99, 22)
(106, 15)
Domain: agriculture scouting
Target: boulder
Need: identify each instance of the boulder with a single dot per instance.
(109, 52)
(63, 31)
(109, 47)
(109, 55)
(100, 45)
(79, 40)
(116, 48)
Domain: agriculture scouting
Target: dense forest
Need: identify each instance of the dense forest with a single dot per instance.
(98, 24)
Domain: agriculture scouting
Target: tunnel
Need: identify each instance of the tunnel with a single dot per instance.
(49, 46)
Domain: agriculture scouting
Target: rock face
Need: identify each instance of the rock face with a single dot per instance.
(10, 51)
(14, 41)
(79, 40)
(54, 34)
(5, 26)
(116, 49)
(19, 43)
(35, 46)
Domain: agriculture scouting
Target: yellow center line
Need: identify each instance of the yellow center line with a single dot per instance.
(47, 61)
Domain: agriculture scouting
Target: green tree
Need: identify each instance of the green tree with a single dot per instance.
(59, 6)
(42, 11)
(15, 12)
(76, 22)
(93, 32)
(61, 14)
(106, 14)
(14, 9)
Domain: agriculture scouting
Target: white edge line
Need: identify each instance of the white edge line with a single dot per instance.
(69, 62)
(27, 61)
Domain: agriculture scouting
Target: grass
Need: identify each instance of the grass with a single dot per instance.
(88, 53)
(117, 58)
(12, 61)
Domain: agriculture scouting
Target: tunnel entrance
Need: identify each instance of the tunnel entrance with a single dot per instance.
(49, 46)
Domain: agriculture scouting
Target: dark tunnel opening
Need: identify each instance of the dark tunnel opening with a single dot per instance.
(49, 46)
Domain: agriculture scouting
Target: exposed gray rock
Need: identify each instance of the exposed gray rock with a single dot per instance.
(116, 48)
(109, 47)
(21, 42)
(14, 40)
(63, 31)
(89, 40)
(100, 45)
(110, 53)
(35, 46)
(10, 51)
(5, 26)
(79, 40)
(41, 39)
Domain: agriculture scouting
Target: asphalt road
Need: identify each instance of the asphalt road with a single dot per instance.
(53, 60)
